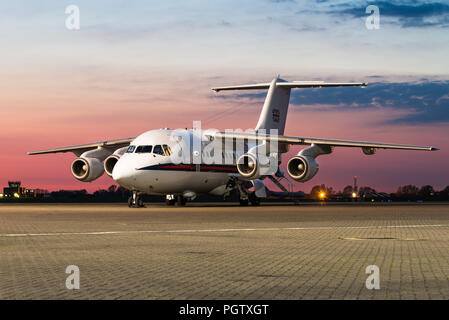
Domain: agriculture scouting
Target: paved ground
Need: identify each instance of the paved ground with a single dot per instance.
(224, 252)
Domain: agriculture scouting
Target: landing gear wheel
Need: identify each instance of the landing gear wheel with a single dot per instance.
(140, 203)
(135, 201)
(170, 202)
(180, 201)
(170, 199)
(255, 201)
(243, 202)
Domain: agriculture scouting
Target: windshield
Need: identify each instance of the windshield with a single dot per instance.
(158, 150)
(144, 149)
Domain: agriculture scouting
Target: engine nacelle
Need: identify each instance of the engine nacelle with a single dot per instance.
(302, 168)
(369, 151)
(111, 161)
(248, 166)
(253, 167)
(87, 169)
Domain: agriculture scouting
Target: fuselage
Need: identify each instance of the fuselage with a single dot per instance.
(164, 161)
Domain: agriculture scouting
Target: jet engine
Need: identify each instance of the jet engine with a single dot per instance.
(111, 161)
(248, 166)
(252, 167)
(368, 150)
(87, 169)
(302, 168)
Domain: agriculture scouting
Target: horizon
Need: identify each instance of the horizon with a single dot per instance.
(334, 190)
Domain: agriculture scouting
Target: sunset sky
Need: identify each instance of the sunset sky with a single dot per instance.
(140, 65)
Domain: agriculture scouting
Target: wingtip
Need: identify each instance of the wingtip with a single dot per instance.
(434, 149)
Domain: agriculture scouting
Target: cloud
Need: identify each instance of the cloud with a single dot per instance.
(423, 102)
(307, 28)
(280, 1)
(224, 23)
(404, 13)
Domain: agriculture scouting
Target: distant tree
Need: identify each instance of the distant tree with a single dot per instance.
(318, 189)
(70, 195)
(314, 193)
(408, 192)
(368, 190)
(347, 192)
(426, 192)
(112, 188)
(444, 194)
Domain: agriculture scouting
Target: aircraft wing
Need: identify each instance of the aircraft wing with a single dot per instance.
(81, 148)
(289, 140)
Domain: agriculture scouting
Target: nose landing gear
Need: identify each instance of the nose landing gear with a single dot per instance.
(170, 199)
(180, 201)
(135, 201)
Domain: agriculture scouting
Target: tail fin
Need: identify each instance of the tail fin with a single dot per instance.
(274, 111)
(275, 107)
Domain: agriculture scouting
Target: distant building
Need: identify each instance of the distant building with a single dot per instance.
(15, 190)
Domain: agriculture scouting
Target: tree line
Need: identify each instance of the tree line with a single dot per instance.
(403, 193)
(319, 192)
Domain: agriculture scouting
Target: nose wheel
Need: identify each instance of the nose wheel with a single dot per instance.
(135, 201)
(170, 199)
(180, 201)
(175, 200)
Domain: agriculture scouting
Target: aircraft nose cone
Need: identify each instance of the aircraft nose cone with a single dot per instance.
(121, 173)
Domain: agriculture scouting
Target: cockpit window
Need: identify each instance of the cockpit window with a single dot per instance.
(144, 149)
(158, 150)
(130, 149)
(167, 150)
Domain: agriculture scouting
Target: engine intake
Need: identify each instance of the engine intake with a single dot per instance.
(110, 163)
(247, 166)
(369, 151)
(87, 169)
(302, 168)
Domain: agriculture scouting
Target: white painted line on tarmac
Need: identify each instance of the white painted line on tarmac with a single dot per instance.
(212, 230)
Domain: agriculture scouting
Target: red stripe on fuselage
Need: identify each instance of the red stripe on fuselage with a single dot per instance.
(202, 167)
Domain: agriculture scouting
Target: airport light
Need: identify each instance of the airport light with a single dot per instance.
(322, 195)
(16, 195)
(354, 195)
(1, 195)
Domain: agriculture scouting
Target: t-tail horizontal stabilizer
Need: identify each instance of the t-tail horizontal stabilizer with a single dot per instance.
(274, 111)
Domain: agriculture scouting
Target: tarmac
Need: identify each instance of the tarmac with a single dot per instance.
(215, 251)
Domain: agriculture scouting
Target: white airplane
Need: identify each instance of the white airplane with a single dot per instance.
(163, 162)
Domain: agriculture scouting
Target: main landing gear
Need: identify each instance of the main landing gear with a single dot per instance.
(178, 200)
(250, 198)
(135, 201)
(245, 196)
(255, 200)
